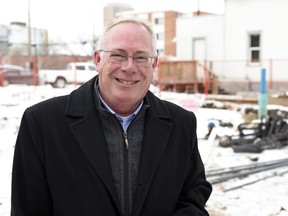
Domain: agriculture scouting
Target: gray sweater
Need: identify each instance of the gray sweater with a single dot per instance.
(124, 162)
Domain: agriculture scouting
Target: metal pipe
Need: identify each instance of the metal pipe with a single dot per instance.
(249, 172)
(255, 181)
(222, 171)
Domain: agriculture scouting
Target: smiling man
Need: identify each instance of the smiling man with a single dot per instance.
(125, 62)
(111, 147)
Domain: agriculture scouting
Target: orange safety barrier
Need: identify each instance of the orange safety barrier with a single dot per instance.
(222, 76)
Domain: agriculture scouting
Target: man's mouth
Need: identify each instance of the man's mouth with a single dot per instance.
(126, 82)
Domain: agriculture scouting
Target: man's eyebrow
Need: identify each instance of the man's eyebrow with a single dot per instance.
(117, 50)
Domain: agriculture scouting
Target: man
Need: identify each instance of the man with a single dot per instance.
(110, 147)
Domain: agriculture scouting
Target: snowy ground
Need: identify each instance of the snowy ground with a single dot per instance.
(264, 198)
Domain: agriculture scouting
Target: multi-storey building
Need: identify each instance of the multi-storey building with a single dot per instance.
(14, 40)
(163, 24)
(110, 10)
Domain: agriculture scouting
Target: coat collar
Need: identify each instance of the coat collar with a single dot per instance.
(83, 99)
(84, 123)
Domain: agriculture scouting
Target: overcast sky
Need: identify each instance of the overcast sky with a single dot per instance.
(73, 20)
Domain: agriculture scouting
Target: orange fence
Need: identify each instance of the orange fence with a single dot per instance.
(1, 73)
(27, 70)
(240, 75)
(229, 76)
(217, 76)
(15, 74)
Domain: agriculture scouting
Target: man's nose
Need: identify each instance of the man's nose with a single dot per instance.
(129, 63)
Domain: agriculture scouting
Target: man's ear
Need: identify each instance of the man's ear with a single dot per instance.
(96, 57)
(155, 62)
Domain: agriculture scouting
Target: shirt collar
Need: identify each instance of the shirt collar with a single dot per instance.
(118, 116)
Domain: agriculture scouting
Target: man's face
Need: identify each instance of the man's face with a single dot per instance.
(125, 82)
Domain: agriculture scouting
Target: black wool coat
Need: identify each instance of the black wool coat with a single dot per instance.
(61, 165)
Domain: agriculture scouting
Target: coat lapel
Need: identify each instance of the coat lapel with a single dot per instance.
(157, 132)
(90, 138)
(85, 125)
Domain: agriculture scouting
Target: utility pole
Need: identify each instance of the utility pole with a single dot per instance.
(29, 31)
(93, 37)
(198, 7)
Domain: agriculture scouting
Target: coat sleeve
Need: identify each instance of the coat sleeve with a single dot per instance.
(196, 189)
(30, 193)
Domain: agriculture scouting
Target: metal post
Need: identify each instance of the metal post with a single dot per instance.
(29, 31)
(263, 97)
(271, 74)
(1, 73)
(198, 7)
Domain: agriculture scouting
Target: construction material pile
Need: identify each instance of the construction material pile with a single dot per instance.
(268, 133)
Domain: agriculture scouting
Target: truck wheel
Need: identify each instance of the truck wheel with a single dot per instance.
(60, 83)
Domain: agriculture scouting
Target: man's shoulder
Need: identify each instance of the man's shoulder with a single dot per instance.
(74, 98)
(50, 103)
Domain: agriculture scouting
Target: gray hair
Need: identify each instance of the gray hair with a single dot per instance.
(130, 19)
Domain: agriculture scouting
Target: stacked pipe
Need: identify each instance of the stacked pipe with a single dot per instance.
(224, 174)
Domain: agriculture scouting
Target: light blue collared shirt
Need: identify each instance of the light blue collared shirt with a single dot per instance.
(125, 121)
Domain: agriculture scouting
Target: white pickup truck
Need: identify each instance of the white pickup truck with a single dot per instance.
(75, 73)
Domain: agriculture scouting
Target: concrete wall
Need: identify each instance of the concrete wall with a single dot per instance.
(208, 27)
(269, 18)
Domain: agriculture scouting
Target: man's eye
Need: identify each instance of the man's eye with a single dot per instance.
(117, 55)
(141, 58)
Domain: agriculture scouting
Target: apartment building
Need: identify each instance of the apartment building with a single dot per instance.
(14, 40)
(110, 11)
(163, 24)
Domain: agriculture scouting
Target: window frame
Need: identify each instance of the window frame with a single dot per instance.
(158, 21)
(252, 48)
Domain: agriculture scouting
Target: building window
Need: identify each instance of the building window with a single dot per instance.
(160, 52)
(80, 67)
(160, 36)
(159, 21)
(254, 48)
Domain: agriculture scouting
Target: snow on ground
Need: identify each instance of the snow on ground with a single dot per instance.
(264, 198)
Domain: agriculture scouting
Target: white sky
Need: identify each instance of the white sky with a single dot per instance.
(74, 20)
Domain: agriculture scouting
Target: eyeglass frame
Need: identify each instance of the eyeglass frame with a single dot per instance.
(127, 57)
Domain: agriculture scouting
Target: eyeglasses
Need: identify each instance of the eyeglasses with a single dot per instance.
(139, 60)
